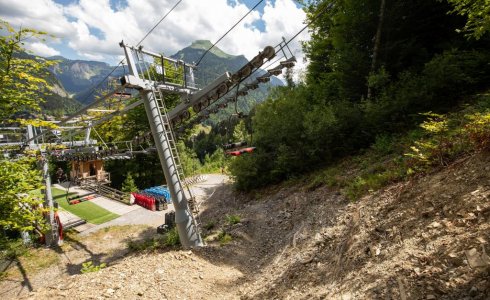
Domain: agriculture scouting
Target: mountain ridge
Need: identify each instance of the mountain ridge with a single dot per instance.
(78, 77)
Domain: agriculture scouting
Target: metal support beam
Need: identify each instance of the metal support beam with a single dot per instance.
(87, 133)
(52, 238)
(30, 135)
(187, 229)
(74, 143)
(198, 96)
(79, 112)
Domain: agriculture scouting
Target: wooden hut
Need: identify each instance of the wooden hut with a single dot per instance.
(90, 170)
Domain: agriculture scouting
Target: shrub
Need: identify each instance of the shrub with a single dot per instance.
(478, 130)
(210, 225)
(171, 238)
(128, 184)
(224, 238)
(88, 267)
(233, 219)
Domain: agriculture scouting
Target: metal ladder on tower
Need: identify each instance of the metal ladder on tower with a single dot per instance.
(169, 133)
(172, 145)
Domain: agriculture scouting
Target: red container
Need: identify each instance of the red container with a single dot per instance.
(145, 201)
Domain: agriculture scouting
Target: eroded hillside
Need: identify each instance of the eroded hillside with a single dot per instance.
(422, 239)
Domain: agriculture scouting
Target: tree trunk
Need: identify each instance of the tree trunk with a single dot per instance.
(377, 42)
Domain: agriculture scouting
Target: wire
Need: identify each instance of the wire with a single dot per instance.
(101, 139)
(117, 66)
(318, 13)
(206, 52)
(94, 87)
(156, 25)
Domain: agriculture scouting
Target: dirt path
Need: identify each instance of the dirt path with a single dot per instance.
(102, 243)
(423, 239)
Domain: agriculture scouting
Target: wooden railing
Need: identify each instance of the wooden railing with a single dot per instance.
(104, 190)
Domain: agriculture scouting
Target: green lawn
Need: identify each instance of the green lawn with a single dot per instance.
(87, 210)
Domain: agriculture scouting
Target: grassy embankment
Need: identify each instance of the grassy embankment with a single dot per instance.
(436, 143)
(87, 210)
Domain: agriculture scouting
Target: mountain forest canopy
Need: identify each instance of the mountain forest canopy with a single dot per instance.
(374, 66)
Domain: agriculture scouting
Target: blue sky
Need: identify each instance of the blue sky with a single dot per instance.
(92, 29)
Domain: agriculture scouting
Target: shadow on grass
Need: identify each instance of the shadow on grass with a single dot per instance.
(25, 283)
(95, 258)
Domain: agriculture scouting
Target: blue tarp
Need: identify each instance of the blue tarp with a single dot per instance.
(160, 191)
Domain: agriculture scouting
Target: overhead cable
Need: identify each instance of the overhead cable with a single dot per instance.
(206, 52)
(139, 43)
(158, 23)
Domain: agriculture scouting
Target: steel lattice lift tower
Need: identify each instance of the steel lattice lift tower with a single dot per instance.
(143, 76)
(155, 76)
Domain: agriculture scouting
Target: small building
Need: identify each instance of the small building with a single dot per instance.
(90, 170)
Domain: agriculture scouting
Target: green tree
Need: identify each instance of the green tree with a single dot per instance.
(478, 14)
(21, 80)
(407, 52)
(19, 209)
(21, 75)
(128, 184)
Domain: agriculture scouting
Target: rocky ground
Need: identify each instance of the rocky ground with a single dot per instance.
(423, 239)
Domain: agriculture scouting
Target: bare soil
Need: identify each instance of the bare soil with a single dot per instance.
(427, 238)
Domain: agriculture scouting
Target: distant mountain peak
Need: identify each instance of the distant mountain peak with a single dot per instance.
(205, 45)
(201, 44)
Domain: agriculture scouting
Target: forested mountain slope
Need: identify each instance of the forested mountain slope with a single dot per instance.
(375, 68)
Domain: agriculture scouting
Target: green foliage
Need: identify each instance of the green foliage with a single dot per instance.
(448, 137)
(210, 225)
(21, 76)
(224, 238)
(478, 16)
(188, 159)
(328, 117)
(233, 219)
(20, 210)
(174, 72)
(478, 130)
(129, 185)
(88, 267)
(169, 239)
(438, 141)
(11, 248)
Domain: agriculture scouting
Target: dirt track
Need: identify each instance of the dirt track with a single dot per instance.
(421, 239)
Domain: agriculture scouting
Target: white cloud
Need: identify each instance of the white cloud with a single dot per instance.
(42, 49)
(93, 29)
(44, 15)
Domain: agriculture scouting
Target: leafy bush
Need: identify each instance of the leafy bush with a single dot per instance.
(171, 238)
(478, 130)
(224, 238)
(233, 219)
(210, 225)
(88, 267)
(128, 184)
